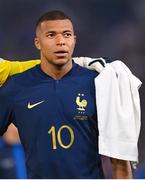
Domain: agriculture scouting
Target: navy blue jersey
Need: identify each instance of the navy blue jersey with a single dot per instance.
(56, 120)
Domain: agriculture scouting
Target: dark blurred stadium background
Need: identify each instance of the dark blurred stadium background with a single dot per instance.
(114, 29)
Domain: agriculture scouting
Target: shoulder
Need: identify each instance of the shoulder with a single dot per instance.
(16, 83)
(25, 78)
(82, 71)
(86, 77)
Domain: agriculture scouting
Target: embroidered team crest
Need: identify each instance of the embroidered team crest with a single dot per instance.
(81, 103)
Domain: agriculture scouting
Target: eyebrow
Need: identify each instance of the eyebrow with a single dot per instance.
(56, 32)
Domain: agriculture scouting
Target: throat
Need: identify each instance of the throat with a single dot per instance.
(56, 72)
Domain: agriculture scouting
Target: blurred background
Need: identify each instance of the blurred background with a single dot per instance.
(113, 29)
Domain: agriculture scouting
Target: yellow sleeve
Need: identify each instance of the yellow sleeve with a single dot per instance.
(18, 67)
(5, 68)
(9, 68)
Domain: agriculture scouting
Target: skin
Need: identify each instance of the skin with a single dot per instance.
(11, 136)
(56, 41)
(121, 169)
(116, 168)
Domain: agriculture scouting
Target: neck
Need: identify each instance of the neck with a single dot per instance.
(55, 71)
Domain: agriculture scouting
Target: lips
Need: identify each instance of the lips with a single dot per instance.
(61, 53)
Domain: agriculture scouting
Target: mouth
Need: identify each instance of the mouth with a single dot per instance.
(61, 53)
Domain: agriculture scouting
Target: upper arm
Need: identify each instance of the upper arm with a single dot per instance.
(21, 66)
(9, 68)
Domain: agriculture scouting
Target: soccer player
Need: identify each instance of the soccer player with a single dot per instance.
(53, 107)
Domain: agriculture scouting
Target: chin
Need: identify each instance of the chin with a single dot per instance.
(61, 62)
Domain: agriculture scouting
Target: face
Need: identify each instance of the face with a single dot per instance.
(56, 41)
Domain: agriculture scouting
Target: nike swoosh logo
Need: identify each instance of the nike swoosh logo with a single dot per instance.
(30, 106)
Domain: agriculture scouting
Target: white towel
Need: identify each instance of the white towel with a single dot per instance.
(118, 109)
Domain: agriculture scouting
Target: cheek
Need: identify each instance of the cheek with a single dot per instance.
(45, 45)
(44, 42)
(72, 46)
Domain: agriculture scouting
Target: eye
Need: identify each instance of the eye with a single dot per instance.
(50, 35)
(67, 34)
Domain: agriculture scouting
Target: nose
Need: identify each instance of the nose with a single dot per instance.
(60, 40)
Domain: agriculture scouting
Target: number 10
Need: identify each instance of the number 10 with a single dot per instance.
(56, 136)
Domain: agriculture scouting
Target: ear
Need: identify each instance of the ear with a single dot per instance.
(37, 43)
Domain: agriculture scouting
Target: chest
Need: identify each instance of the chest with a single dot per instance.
(56, 112)
(56, 98)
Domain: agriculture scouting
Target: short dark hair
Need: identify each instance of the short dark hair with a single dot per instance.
(52, 15)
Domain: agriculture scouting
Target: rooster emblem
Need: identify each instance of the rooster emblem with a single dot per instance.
(81, 103)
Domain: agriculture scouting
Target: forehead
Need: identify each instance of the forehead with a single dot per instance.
(56, 25)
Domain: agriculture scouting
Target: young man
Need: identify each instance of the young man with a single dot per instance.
(53, 107)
